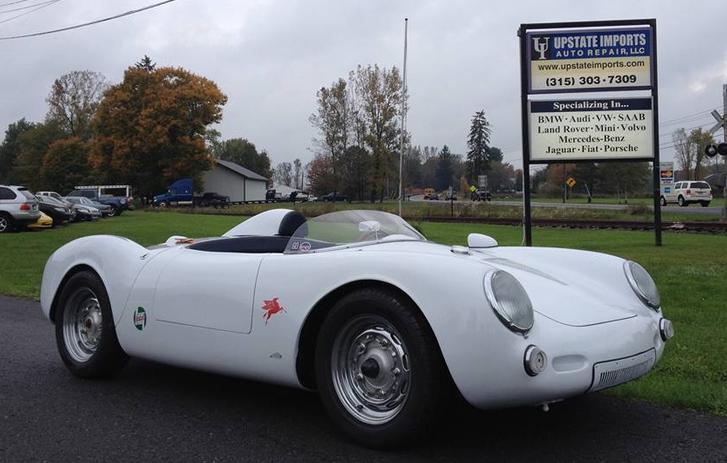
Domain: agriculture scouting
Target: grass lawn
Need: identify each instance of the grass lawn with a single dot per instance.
(690, 270)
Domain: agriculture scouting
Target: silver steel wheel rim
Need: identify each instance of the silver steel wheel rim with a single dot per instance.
(3, 224)
(82, 325)
(370, 370)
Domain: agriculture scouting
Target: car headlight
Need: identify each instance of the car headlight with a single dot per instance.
(509, 300)
(642, 284)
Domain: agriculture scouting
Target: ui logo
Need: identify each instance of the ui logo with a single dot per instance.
(540, 45)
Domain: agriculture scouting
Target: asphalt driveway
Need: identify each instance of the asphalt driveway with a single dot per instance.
(152, 412)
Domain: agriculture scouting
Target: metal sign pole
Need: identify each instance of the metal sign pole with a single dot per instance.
(524, 123)
(655, 165)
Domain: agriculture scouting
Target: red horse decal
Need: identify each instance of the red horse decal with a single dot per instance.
(271, 307)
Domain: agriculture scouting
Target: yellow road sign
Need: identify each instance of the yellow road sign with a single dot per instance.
(571, 182)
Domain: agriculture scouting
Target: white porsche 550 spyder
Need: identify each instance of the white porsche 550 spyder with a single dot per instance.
(361, 307)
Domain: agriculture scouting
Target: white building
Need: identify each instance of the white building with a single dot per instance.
(239, 183)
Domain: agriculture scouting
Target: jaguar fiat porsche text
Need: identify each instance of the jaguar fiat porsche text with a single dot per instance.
(347, 303)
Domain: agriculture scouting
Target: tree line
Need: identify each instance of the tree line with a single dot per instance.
(148, 130)
(358, 122)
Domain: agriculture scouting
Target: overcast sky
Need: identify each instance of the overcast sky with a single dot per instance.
(270, 57)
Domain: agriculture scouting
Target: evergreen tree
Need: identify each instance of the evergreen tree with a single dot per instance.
(445, 169)
(478, 145)
(146, 64)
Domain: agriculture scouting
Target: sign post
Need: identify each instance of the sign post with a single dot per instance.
(562, 65)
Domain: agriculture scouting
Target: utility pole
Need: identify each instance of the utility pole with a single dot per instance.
(724, 140)
(403, 118)
(714, 149)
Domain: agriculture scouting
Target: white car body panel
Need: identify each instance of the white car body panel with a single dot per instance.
(204, 310)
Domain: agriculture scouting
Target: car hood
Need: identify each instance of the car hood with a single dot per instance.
(576, 288)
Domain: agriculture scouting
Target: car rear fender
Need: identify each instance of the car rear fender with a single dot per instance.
(116, 260)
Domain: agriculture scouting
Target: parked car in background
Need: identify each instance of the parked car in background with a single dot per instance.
(96, 210)
(299, 197)
(18, 207)
(57, 210)
(211, 199)
(331, 197)
(44, 221)
(117, 204)
(481, 195)
(688, 192)
(122, 192)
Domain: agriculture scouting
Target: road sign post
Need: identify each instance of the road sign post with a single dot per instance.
(562, 65)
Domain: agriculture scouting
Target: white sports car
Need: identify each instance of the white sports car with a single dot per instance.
(360, 306)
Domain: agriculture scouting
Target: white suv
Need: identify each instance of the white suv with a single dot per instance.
(18, 207)
(688, 192)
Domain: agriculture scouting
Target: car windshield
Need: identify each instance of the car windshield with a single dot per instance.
(350, 227)
(700, 185)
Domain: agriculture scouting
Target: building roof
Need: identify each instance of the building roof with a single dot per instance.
(238, 169)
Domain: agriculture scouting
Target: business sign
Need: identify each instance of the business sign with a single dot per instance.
(482, 181)
(589, 59)
(666, 172)
(562, 66)
(593, 129)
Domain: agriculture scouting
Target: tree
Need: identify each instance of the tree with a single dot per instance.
(65, 164)
(413, 167)
(494, 154)
(10, 149)
(477, 145)
(355, 164)
(283, 174)
(145, 64)
(332, 119)
(445, 169)
(151, 128)
(34, 144)
(380, 95)
(320, 175)
(690, 151)
(73, 100)
(501, 176)
(243, 152)
(698, 141)
(298, 174)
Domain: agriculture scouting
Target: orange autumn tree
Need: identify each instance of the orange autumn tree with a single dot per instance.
(150, 128)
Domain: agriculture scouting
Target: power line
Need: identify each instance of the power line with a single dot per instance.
(31, 11)
(13, 3)
(90, 23)
(27, 6)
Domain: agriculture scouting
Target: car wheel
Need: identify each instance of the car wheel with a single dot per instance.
(6, 223)
(85, 332)
(112, 212)
(704, 203)
(379, 371)
(681, 201)
(663, 201)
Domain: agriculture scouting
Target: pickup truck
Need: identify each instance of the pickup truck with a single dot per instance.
(181, 193)
(118, 204)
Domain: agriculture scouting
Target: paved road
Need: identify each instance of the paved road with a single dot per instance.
(693, 209)
(153, 412)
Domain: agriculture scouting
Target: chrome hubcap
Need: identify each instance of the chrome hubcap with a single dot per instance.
(3, 224)
(82, 325)
(370, 369)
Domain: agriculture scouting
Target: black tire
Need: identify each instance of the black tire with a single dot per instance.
(682, 202)
(704, 203)
(422, 383)
(6, 223)
(107, 357)
(663, 201)
(112, 212)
